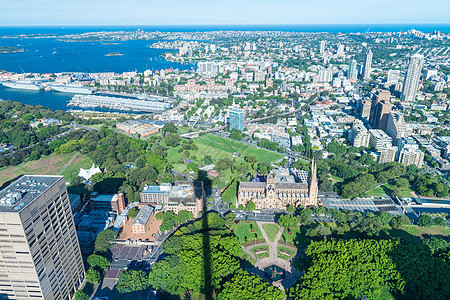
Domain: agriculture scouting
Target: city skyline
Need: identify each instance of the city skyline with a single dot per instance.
(201, 12)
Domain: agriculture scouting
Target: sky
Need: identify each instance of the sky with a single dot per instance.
(220, 12)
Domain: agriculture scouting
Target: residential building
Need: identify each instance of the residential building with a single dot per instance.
(40, 256)
(280, 190)
(359, 135)
(396, 126)
(184, 195)
(367, 69)
(412, 78)
(114, 203)
(282, 139)
(322, 47)
(207, 69)
(411, 156)
(237, 118)
(364, 108)
(393, 77)
(379, 139)
(387, 155)
(352, 70)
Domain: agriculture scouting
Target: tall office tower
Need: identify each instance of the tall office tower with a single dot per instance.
(237, 117)
(367, 69)
(352, 70)
(393, 77)
(40, 257)
(412, 78)
(381, 95)
(322, 47)
(364, 108)
(396, 126)
(359, 135)
(381, 115)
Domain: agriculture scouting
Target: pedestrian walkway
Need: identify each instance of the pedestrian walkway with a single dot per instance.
(291, 274)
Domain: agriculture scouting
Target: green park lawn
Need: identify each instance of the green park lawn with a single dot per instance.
(271, 231)
(386, 189)
(82, 161)
(243, 231)
(285, 253)
(263, 249)
(47, 165)
(218, 148)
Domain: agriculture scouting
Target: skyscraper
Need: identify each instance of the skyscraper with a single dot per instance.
(367, 69)
(412, 77)
(40, 256)
(381, 115)
(322, 47)
(352, 70)
(237, 119)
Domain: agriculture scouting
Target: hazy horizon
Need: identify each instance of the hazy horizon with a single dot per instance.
(228, 12)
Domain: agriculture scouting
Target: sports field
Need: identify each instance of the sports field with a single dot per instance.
(218, 148)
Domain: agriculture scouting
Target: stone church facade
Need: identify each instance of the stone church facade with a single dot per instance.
(280, 190)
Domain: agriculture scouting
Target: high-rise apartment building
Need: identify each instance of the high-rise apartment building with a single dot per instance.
(207, 69)
(387, 155)
(412, 78)
(352, 70)
(396, 126)
(367, 69)
(237, 117)
(40, 256)
(322, 47)
(359, 135)
(393, 77)
(411, 156)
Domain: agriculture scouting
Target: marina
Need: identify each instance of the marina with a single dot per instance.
(118, 103)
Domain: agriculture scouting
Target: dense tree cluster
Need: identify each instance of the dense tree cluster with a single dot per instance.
(430, 185)
(348, 269)
(365, 268)
(202, 257)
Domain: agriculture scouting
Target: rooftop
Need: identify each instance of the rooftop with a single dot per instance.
(143, 215)
(24, 191)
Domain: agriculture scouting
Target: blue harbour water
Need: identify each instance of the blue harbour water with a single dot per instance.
(51, 56)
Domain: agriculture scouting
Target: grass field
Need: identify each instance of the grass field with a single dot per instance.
(386, 189)
(81, 161)
(218, 148)
(48, 165)
(271, 231)
(243, 231)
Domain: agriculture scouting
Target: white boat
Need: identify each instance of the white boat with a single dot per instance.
(73, 88)
(23, 85)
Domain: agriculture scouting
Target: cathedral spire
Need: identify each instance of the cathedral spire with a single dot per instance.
(313, 184)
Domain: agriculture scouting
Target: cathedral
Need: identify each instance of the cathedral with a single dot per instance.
(280, 190)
